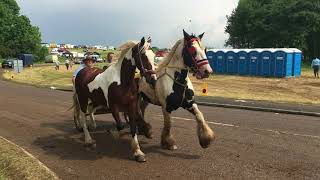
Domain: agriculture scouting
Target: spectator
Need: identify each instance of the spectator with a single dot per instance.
(315, 65)
(67, 63)
(57, 64)
(71, 63)
(87, 62)
(110, 57)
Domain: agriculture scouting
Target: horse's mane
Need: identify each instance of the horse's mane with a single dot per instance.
(124, 48)
(166, 60)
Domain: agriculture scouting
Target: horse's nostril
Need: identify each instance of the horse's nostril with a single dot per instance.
(206, 72)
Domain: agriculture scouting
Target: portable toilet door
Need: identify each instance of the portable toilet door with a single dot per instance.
(266, 63)
(254, 63)
(297, 59)
(212, 59)
(231, 59)
(243, 63)
(283, 63)
(221, 62)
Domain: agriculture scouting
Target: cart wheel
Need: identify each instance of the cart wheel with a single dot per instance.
(76, 121)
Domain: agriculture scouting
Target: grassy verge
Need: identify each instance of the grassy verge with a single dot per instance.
(304, 89)
(2, 177)
(16, 164)
(45, 76)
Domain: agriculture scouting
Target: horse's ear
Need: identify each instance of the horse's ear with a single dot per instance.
(186, 35)
(142, 41)
(200, 36)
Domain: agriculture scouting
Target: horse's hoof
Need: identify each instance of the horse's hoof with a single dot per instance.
(149, 135)
(146, 131)
(140, 158)
(169, 143)
(92, 128)
(168, 147)
(206, 141)
(173, 147)
(92, 144)
(120, 126)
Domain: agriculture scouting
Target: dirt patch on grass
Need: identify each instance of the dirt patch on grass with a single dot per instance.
(15, 163)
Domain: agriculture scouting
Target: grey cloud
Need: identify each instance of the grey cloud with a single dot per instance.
(114, 22)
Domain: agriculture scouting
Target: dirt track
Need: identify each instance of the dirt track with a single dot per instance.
(249, 145)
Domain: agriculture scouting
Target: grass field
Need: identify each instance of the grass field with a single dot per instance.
(305, 89)
(2, 176)
(16, 164)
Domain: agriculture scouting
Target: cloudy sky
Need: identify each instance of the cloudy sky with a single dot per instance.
(109, 22)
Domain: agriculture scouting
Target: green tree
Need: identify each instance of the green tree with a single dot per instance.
(276, 23)
(42, 53)
(17, 35)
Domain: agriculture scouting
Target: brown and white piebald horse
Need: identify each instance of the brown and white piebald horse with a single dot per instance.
(174, 89)
(116, 90)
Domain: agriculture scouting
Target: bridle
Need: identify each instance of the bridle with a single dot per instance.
(197, 64)
(143, 71)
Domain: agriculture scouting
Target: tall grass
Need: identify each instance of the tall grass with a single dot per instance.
(2, 177)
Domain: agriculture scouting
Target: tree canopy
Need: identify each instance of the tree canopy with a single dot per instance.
(17, 35)
(276, 24)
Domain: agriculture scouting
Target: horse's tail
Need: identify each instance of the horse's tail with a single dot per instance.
(75, 103)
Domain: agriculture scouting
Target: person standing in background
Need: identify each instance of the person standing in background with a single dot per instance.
(67, 63)
(57, 64)
(315, 65)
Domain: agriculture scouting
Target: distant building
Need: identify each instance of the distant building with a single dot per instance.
(110, 48)
(69, 46)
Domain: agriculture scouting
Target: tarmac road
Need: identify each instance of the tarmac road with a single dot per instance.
(249, 144)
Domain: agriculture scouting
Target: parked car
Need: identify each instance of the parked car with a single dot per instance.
(78, 60)
(7, 63)
(99, 60)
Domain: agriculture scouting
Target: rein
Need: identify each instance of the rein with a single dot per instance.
(144, 71)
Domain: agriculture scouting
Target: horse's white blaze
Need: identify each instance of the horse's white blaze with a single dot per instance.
(128, 56)
(200, 55)
(150, 55)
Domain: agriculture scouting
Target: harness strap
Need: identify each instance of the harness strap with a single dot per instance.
(185, 86)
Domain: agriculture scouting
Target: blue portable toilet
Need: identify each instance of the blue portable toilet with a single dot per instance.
(243, 62)
(297, 59)
(265, 64)
(254, 55)
(221, 62)
(232, 63)
(27, 59)
(212, 59)
(283, 63)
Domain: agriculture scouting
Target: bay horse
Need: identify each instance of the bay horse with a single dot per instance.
(174, 89)
(116, 90)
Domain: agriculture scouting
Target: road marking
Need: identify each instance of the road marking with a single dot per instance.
(259, 129)
(209, 122)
